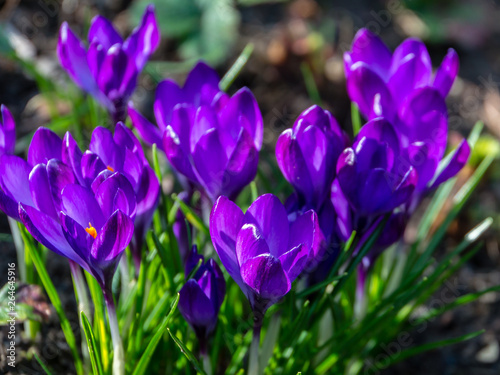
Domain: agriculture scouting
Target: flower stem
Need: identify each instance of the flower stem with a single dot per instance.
(205, 357)
(253, 362)
(19, 245)
(118, 356)
(83, 304)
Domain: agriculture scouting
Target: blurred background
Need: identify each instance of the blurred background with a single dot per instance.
(296, 61)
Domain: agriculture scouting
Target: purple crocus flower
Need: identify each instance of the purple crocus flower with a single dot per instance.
(89, 227)
(307, 155)
(202, 296)
(208, 137)
(121, 152)
(109, 67)
(377, 79)
(402, 88)
(7, 132)
(86, 226)
(262, 250)
(371, 179)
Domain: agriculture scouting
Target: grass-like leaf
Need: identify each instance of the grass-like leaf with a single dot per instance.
(141, 367)
(190, 356)
(95, 360)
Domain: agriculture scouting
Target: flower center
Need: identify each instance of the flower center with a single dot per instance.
(110, 168)
(91, 230)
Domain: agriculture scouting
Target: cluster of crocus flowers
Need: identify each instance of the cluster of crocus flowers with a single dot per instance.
(109, 67)
(401, 88)
(211, 139)
(89, 225)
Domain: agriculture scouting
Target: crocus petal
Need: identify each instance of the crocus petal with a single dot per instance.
(14, 177)
(102, 31)
(305, 230)
(44, 146)
(375, 195)
(103, 145)
(80, 204)
(446, 73)
(369, 48)
(116, 193)
(72, 156)
(243, 104)
(41, 191)
(369, 92)
(202, 84)
(49, 233)
(118, 75)
(126, 138)
(453, 165)
(113, 238)
(176, 155)
(292, 164)
(382, 131)
(268, 214)
(293, 261)
(9, 206)
(204, 120)
(7, 132)
(347, 177)
(59, 175)
(423, 161)
(241, 168)
(265, 275)
(226, 220)
(195, 306)
(72, 56)
(92, 165)
(250, 243)
(343, 211)
(144, 39)
(149, 133)
(79, 240)
(148, 192)
(210, 161)
(408, 76)
(168, 95)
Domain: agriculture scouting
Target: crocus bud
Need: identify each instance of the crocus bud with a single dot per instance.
(307, 155)
(202, 296)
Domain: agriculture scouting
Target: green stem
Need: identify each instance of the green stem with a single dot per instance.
(118, 355)
(18, 243)
(253, 362)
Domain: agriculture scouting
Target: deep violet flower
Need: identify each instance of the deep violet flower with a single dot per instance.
(368, 174)
(307, 155)
(208, 137)
(109, 67)
(202, 296)
(121, 152)
(262, 250)
(401, 88)
(89, 227)
(7, 132)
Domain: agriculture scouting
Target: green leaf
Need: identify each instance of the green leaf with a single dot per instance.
(55, 300)
(191, 216)
(42, 364)
(93, 350)
(141, 367)
(236, 68)
(312, 89)
(434, 345)
(186, 352)
(355, 118)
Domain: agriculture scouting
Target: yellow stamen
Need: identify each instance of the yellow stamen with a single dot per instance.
(110, 168)
(91, 230)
